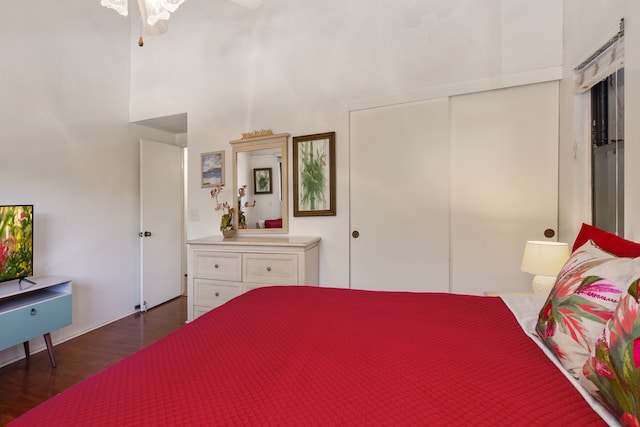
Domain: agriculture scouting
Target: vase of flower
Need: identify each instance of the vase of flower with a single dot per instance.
(226, 222)
(228, 233)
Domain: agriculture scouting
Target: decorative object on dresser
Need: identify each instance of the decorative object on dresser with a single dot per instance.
(225, 207)
(37, 307)
(229, 211)
(228, 233)
(314, 175)
(544, 260)
(220, 269)
(257, 133)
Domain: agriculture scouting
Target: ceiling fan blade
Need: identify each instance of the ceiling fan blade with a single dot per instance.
(249, 4)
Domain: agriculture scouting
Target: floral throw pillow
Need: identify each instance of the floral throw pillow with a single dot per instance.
(614, 366)
(583, 299)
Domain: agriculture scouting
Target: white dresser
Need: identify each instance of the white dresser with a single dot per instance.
(221, 269)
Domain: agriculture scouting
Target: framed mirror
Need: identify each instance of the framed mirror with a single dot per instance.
(261, 184)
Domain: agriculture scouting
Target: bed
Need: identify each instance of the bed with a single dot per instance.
(298, 355)
(308, 355)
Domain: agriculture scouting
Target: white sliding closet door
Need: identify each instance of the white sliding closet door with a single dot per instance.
(399, 197)
(504, 183)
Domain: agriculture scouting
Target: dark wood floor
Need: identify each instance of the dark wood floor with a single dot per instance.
(23, 385)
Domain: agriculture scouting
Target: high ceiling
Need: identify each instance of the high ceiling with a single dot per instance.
(174, 124)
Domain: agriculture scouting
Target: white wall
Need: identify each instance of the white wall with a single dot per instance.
(298, 67)
(588, 24)
(65, 147)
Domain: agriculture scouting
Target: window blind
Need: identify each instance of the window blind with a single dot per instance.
(604, 62)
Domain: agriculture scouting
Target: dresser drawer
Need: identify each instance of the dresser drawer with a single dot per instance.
(199, 310)
(218, 265)
(210, 293)
(275, 269)
(221, 269)
(33, 320)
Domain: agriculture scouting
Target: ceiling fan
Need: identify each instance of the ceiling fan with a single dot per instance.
(249, 4)
(155, 13)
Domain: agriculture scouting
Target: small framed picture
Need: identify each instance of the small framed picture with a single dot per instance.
(262, 181)
(212, 168)
(314, 175)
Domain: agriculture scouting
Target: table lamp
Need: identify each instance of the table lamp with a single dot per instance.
(544, 260)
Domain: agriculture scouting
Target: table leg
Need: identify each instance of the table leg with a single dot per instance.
(27, 353)
(47, 340)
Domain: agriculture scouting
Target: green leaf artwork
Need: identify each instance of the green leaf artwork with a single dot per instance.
(312, 175)
(263, 182)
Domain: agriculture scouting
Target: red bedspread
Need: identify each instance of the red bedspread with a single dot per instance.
(307, 355)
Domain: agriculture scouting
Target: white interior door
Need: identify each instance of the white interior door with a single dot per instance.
(160, 222)
(399, 197)
(504, 183)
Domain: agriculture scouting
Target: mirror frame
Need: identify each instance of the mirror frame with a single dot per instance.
(281, 141)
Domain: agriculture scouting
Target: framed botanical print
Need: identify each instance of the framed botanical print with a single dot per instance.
(262, 181)
(314, 175)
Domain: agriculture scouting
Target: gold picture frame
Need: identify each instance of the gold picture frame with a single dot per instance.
(314, 175)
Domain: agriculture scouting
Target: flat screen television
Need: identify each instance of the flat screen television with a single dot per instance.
(16, 242)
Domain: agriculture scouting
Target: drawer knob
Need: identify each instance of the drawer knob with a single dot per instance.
(268, 268)
(34, 311)
(217, 294)
(215, 266)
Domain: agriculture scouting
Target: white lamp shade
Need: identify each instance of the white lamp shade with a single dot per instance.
(544, 258)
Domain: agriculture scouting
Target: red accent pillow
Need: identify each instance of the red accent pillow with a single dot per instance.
(607, 242)
(273, 223)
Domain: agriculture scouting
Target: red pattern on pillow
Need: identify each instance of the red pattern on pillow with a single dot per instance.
(613, 367)
(584, 297)
(606, 241)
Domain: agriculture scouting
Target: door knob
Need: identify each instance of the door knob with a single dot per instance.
(145, 234)
(549, 233)
(355, 234)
